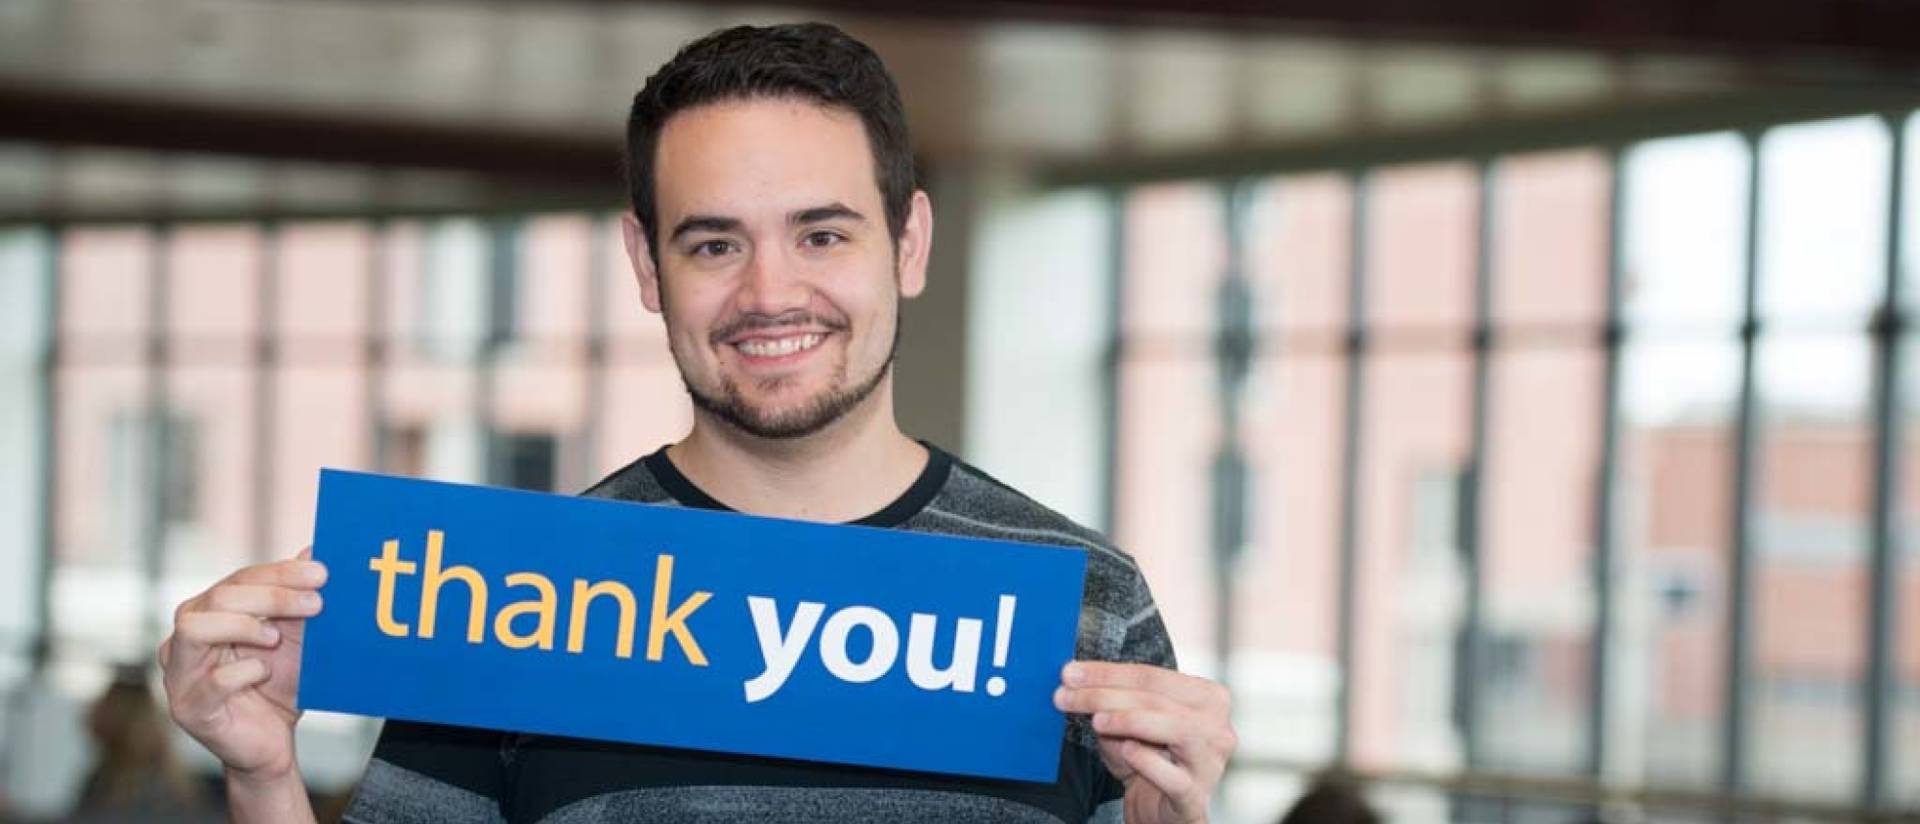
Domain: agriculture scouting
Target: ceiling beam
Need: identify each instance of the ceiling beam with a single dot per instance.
(1881, 31)
(89, 117)
(1600, 127)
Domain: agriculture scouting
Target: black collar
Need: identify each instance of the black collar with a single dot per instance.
(910, 502)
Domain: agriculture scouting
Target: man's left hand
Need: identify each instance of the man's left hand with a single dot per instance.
(1165, 735)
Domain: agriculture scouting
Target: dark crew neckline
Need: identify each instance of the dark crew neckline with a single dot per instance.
(918, 494)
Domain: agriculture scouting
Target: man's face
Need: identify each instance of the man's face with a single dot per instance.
(776, 274)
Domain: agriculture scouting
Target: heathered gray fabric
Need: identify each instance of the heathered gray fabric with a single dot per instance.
(726, 805)
(394, 795)
(1118, 621)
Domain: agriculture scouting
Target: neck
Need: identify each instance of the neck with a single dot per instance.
(851, 469)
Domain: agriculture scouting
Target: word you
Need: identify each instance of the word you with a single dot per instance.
(781, 649)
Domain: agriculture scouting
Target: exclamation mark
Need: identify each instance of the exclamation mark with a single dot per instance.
(1002, 635)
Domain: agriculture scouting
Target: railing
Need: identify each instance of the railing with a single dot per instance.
(1503, 795)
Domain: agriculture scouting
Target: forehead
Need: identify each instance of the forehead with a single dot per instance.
(742, 158)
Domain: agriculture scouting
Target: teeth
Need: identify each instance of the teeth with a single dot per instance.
(781, 346)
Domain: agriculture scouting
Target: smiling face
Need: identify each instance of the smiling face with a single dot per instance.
(776, 274)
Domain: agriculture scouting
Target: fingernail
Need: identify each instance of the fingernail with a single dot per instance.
(314, 572)
(1060, 698)
(1101, 720)
(310, 600)
(1075, 673)
(268, 634)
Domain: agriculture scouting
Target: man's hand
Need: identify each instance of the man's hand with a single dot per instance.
(233, 665)
(1165, 735)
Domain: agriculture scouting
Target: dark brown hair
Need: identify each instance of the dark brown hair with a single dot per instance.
(815, 62)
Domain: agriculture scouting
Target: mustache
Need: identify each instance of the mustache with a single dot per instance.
(796, 318)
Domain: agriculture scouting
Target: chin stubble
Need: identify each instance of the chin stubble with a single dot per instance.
(730, 406)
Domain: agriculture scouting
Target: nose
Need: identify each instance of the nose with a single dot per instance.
(771, 285)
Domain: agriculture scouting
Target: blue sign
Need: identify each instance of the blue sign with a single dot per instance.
(678, 627)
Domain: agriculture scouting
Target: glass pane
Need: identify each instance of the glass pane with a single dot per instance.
(1550, 245)
(1684, 224)
(1169, 428)
(1543, 451)
(1550, 268)
(1809, 585)
(99, 591)
(1175, 257)
(1286, 672)
(540, 389)
(210, 480)
(319, 397)
(1422, 224)
(104, 285)
(1169, 413)
(552, 305)
(1822, 264)
(1904, 770)
(1285, 668)
(1299, 258)
(1823, 224)
(1675, 517)
(321, 421)
(213, 282)
(1410, 577)
(213, 303)
(1684, 236)
(25, 254)
(322, 302)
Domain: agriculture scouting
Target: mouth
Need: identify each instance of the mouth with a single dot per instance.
(777, 349)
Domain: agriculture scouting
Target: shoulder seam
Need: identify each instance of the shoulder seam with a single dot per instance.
(1123, 558)
(1150, 610)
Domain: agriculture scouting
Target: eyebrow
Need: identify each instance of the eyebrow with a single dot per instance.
(798, 217)
(705, 223)
(821, 214)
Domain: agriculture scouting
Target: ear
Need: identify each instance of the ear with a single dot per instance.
(916, 240)
(640, 256)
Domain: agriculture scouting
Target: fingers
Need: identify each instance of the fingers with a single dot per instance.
(1090, 700)
(284, 589)
(1198, 738)
(210, 628)
(1175, 782)
(299, 572)
(262, 601)
(1196, 692)
(1157, 725)
(1177, 731)
(202, 700)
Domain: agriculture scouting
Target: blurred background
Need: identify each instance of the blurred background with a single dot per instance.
(1512, 402)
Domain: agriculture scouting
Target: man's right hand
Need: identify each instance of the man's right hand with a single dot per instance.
(233, 665)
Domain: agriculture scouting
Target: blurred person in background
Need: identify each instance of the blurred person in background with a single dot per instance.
(776, 228)
(136, 776)
(1333, 798)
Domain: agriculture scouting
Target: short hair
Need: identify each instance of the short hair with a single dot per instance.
(814, 62)
(1334, 798)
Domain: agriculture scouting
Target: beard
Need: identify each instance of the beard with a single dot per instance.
(814, 414)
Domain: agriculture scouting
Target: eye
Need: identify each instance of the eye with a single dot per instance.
(821, 239)
(711, 248)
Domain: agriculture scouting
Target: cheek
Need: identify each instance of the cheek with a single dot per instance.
(688, 313)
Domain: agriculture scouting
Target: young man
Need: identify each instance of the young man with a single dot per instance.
(775, 228)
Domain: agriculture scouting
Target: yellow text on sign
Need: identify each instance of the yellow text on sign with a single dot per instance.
(543, 607)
